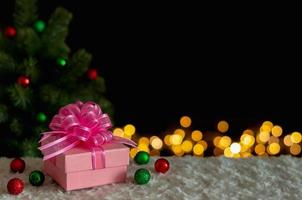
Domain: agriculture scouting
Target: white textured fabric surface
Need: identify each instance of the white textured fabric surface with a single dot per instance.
(188, 178)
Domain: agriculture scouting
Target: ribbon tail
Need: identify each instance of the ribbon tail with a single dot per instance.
(126, 141)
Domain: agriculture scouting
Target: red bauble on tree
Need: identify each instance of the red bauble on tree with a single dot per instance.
(92, 74)
(17, 165)
(162, 165)
(10, 32)
(23, 81)
(15, 186)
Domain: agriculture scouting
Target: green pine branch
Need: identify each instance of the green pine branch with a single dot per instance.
(31, 69)
(20, 96)
(16, 126)
(3, 113)
(53, 38)
(28, 41)
(7, 63)
(25, 13)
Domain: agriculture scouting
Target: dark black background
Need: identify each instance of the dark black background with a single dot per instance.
(163, 61)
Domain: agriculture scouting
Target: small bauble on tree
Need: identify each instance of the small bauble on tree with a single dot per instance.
(41, 117)
(17, 165)
(62, 62)
(15, 186)
(39, 26)
(10, 32)
(23, 80)
(92, 74)
(142, 158)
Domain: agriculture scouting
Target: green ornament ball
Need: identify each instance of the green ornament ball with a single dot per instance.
(61, 62)
(41, 117)
(142, 176)
(39, 26)
(36, 178)
(142, 158)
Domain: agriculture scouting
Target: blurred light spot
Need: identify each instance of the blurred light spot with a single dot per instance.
(277, 131)
(287, 140)
(235, 148)
(217, 151)
(268, 124)
(274, 148)
(167, 140)
(216, 140)
(143, 147)
(196, 135)
(133, 152)
(225, 142)
(259, 149)
(247, 140)
(246, 154)
(129, 129)
(198, 149)
(227, 152)
(248, 132)
(296, 137)
(177, 149)
(223, 126)
(203, 143)
(185, 121)
(264, 136)
(187, 146)
(157, 143)
(273, 139)
(175, 139)
(144, 140)
(180, 132)
(118, 132)
(295, 149)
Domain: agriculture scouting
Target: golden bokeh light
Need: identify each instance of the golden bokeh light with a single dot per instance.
(133, 152)
(235, 147)
(296, 137)
(287, 141)
(177, 149)
(273, 139)
(185, 121)
(203, 143)
(248, 132)
(157, 143)
(227, 152)
(247, 140)
(118, 132)
(295, 149)
(273, 148)
(167, 140)
(216, 141)
(129, 129)
(198, 149)
(277, 131)
(180, 132)
(225, 142)
(246, 154)
(264, 136)
(144, 140)
(175, 139)
(223, 126)
(260, 149)
(196, 135)
(143, 147)
(268, 124)
(187, 146)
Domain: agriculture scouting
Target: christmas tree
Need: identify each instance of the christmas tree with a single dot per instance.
(38, 75)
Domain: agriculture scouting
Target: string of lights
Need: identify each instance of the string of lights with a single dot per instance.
(266, 140)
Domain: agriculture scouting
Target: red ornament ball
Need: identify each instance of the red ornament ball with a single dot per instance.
(10, 32)
(15, 186)
(17, 165)
(92, 74)
(162, 165)
(23, 81)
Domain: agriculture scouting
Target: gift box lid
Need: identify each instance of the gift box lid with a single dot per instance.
(80, 158)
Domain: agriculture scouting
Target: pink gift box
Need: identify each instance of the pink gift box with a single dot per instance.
(74, 169)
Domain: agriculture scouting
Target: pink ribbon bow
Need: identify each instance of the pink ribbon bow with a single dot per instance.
(76, 124)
